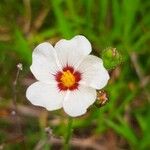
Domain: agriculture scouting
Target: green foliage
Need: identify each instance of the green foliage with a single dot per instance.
(124, 130)
(21, 46)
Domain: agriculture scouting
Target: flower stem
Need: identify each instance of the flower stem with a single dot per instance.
(15, 111)
(68, 135)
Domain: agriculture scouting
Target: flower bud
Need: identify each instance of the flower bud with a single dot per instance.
(111, 58)
(102, 98)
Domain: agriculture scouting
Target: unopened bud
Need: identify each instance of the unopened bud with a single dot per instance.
(102, 98)
(13, 113)
(19, 66)
(111, 58)
(48, 130)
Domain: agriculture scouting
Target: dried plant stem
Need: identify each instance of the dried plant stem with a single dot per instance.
(140, 74)
(68, 135)
(80, 143)
(15, 111)
(40, 19)
(27, 5)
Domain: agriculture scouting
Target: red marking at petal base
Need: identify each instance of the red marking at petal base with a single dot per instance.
(58, 76)
(74, 87)
(71, 69)
(62, 87)
(76, 74)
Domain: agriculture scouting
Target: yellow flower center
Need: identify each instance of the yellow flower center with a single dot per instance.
(67, 79)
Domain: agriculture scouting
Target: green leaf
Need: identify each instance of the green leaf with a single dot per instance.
(123, 129)
(21, 46)
(63, 24)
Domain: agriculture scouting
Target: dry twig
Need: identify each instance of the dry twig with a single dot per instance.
(143, 80)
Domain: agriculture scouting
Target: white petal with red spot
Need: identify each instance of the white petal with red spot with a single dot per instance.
(44, 63)
(73, 51)
(77, 102)
(93, 72)
(45, 95)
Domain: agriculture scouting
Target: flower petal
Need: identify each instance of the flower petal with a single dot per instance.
(71, 52)
(44, 63)
(93, 72)
(45, 95)
(76, 102)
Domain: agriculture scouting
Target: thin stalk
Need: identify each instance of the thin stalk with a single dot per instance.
(15, 110)
(68, 135)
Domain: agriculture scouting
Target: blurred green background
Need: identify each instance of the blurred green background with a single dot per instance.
(123, 123)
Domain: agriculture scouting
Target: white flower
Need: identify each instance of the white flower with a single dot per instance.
(67, 76)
